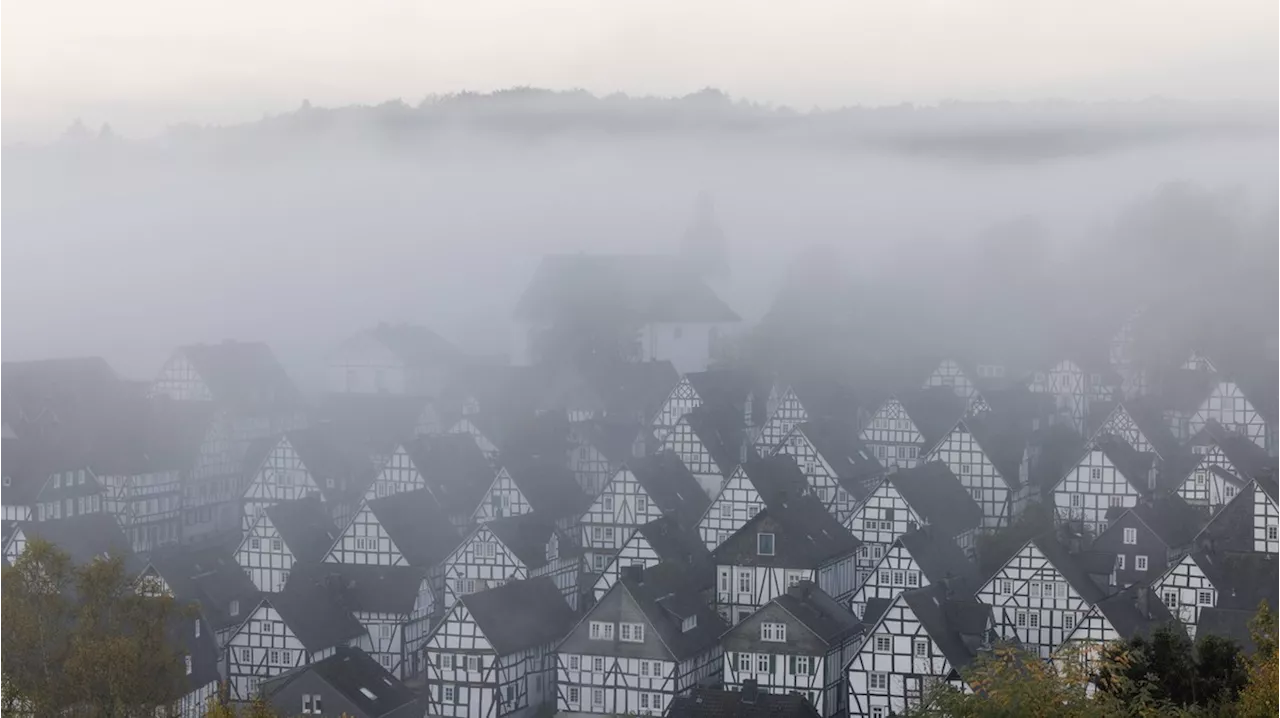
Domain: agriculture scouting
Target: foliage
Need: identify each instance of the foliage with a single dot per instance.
(1259, 696)
(1208, 673)
(80, 637)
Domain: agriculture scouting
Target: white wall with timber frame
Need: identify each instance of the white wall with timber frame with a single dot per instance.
(1204, 486)
(895, 572)
(682, 400)
(892, 437)
(686, 444)
(395, 640)
(818, 474)
(502, 499)
(635, 552)
(966, 459)
(1032, 602)
(789, 414)
(262, 648)
(730, 510)
(620, 508)
(398, 475)
(180, 381)
(877, 522)
(481, 562)
(264, 556)
(949, 374)
(467, 426)
(591, 468)
(364, 541)
(896, 665)
(1184, 590)
(281, 477)
(1070, 386)
(1228, 406)
(466, 678)
(1266, 522)
(1090, 489)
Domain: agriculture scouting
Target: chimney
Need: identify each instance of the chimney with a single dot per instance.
(1143, 600)
(634, 573)
(750, 691)
(1153, 476)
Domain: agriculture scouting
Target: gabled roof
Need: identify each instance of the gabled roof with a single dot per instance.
(242, 374)
(416, 346)
(71, 389)
(722, 388)
(666, 594)
(1231, 528)
(306, 527)
(671, 487)
(525, 535)
(180, 635)
(1054, 450)
(520, 614)
(958, 628)
(1134, 465)
(1146, 416)
(837, 443)
(1185, 390)
(642, 288)
(682, 545)
(210, 576)
(341, 468)
(1087, 572)
(776, 477)
(374, 422)
(454, 469)
(1243, 580)
(1231, 623)
(359, 680)
(716, 703)
(1169, 517)
(1245, 456)
(938, 497)
(721, 431)
(627, 390)
(940, 559)
(805, 535)
(85, 537)
(417, 526)
(819, 612)
(548, 485)
(1136, 613)
(615, 440)
(1001, 443)
(934, 411)
(362, 587)
(313, 616)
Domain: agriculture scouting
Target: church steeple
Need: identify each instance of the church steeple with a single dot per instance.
(704, 247)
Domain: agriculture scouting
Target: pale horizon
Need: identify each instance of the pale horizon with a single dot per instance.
(143, 65)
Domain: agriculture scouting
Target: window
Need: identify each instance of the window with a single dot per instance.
(879, 712)
(1204, 598)
(883, 644)
(449, 694)
(187, 661)
(306, 698)
(1229, 490)
(1006, 587)
(255, 544)
(726, 510)
(774, 632)
(1033, 620)
(746, 581)
(1119, 562)
(600, 561)
(644, 701)
(688, 624)
(597, 664)
(1200, 478)
(446, 661)
(882, 577)
(1140, 563)
(1021, 619)
(597, 697)
(724, 580)
(631, 632)
(601, 631)
(966, 469)
(1115, 500)
(744, 662)
(1069, 621)
(385, 660)
(921, 648)
(1076, 501)
(597, 533)
(1170, 598)
(1272, 532)
(913, 579)
(899, 578)
(575, 663)
(608, 503)
(275, 658)
(473, 663)
(763, 662)
(574, 695)
(1095, 474)
(878, 681)
(1131, 536)
(976, 494)
(642, 504)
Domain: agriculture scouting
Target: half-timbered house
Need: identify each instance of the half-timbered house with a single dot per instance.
(719, 388)
(951, 375)
(1227, 405)
(406, 529)
(493, 653)
(1075, 389)
(1042, 592)
(918, 558)
(393, 604)
(928, 495)
(600, 448)
(526, 485)
(289, 532)
(749, 702)
(316, 461)
(642, 491)
(347, 683)
(800, 642)
(1266, 519)
(84, 538)
(46, 483)
(1119, 617)
(793, 539)
(1227, 462)
(650, 638)
(1138, 423)
(1211, 578)
(919, 639)
(451, 468)
(285, 630)
(663, 540)
(513, 548)
(905, 429)
(711, 443)
(188, 634)
(208, 576)
(838, 468)
(750, 487)
(1149, 536)
(987, 463)
(1111, 475)
(805, 401)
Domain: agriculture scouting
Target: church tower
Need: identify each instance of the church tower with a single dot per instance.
(704, 247)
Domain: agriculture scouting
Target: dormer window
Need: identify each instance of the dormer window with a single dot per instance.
(764, 544)
(688, 624)
(234, 608)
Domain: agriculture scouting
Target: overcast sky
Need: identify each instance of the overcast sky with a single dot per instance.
(143, 64)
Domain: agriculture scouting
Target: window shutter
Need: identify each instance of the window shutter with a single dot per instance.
(772, 663)
(813, 665)
(791, 664)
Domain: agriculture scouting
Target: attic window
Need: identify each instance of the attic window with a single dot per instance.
(689, 624)
(367, 693)
(764, 544)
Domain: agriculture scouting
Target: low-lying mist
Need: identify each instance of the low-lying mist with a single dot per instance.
(301, 229)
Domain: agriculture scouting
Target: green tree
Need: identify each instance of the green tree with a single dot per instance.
(1208, 673)
(80, 637)
(1259, 696)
